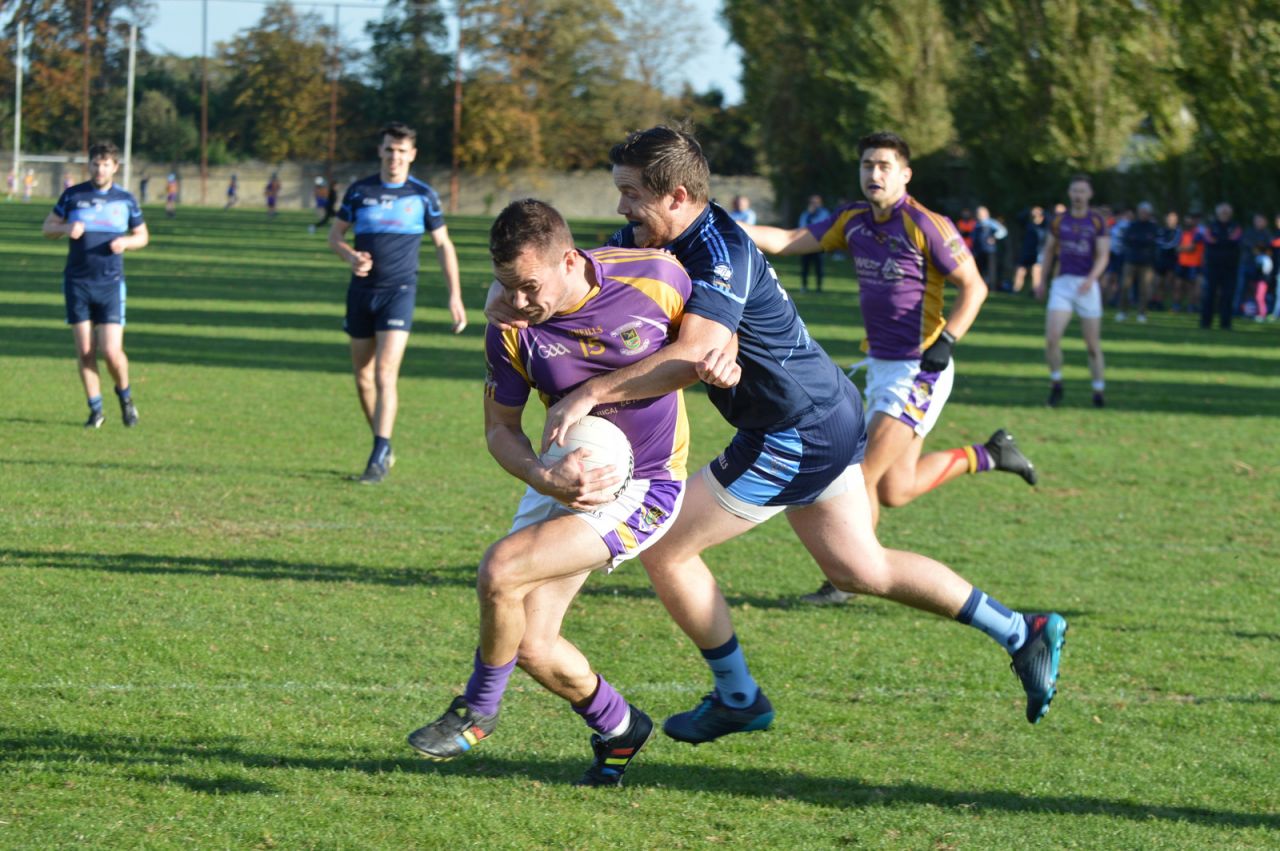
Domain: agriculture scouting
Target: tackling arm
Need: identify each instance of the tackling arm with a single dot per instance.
(773, 240)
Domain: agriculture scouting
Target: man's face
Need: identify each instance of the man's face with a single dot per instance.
(1260, 222)
(884, 177)
(1080, 193)
(536, 284)
(652, 216)
(396, 155)
(101, 170)
(1171, 220)
(1223, 212)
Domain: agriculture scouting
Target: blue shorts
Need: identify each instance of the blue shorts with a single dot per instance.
(374, 309)
(101, 304)
(793, 466)
(1115, 263)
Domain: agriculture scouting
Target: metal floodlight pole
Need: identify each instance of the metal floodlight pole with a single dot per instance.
(17, 108)
(84, 119)
(128, 104)
(333, 98)
(454, 181)
(204, 102)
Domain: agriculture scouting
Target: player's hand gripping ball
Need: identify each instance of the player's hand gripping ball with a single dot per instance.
(607, 445)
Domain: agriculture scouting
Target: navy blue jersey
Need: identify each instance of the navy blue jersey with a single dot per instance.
(786, 376)
(389, 221)
(107, 214)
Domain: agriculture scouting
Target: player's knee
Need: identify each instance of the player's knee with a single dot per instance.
(499, 573)
(385, 379)
(88, 358)
(894, 495)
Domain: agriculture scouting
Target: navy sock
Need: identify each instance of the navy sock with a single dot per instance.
(1007, 627)
(95, 404)
(381, 449)
(123, 395)
(734, 683)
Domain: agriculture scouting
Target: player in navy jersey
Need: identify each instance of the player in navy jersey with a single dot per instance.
(798, 448)
(389, 211)
(589, 312)
(102, 222)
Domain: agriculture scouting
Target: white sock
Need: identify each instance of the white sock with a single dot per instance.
(621, 728)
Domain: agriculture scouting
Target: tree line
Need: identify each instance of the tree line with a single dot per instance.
(1178, 102)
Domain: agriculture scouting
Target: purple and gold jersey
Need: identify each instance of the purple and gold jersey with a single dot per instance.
(1077, 240)
(634, 311)
(902, 264)
(107, 214)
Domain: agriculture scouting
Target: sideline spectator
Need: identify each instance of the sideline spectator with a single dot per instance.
(965, 224)
(1261, 269)
(1139, 262)
(1221, 239)
(1116, 225)
(171, 189)
(1256, 234)
(813, 213)
(987, 233)
(1190, 265)
(1032, 245)
(742, 212)
(1167, 259)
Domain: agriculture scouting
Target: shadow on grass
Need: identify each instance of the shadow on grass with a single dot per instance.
(68, 752)
(458, 576)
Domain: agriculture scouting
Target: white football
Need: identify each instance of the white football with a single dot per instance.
(607, 445)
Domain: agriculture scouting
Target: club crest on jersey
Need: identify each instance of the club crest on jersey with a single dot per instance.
(651, 517)
(722, 276)
(632, 343)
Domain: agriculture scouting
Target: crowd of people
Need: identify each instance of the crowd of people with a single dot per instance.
(1177, 262)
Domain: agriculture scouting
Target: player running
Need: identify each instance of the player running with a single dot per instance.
(588, 312)
(390, 211)
(1078, 241)
(903, 254)
(798, 448)
(102, 222)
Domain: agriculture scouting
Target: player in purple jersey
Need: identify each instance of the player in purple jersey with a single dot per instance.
(903, 253)
(1078, 242)
(797, 449)
(389, 213)
(587, 313)
(102, 222)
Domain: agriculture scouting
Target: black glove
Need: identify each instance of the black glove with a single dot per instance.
(937, 356)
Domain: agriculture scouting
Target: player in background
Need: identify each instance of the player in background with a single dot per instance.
(903, 254)
(389, 212)
(319, 199)
(1079, 244)
(1138, 276)
(588, 312)
(798, 447)
(102, 222)
(233, 193)
(272, 194)
(171, 190)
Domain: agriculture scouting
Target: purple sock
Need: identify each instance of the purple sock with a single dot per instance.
(486, 686)
(981, 458)
(605, 710)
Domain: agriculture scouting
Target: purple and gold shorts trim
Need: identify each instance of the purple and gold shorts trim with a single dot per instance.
(629, 525)
(900, 390)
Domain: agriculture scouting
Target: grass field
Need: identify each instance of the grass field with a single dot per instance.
(211, 638)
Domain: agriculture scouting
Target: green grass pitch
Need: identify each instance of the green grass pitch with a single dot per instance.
(212, 638)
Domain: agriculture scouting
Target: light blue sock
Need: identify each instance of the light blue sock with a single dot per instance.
(95, 404)
(734, 683)
(1007, 627)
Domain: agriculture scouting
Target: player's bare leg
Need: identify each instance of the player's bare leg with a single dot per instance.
(1055, 325)
(1091, 329)
(363, 352)
(111, 345)
(87, 358)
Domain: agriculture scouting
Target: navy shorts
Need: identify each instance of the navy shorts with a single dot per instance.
(1115, 264)
(374, 309)
(793, 466)
(1188, 273)
(101, 304)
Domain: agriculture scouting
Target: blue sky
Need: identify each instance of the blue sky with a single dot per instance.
(177, 29)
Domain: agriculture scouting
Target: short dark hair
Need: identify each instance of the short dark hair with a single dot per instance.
(527, 224)
(884, 139)
(1081, 177)
(399, 131)
(667, 157)
(104, 151)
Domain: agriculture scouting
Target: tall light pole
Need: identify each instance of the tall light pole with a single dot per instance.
(128, 105)
(454, 182)
(17, 107)
(333, 100)
(84, 118)
(204, 102)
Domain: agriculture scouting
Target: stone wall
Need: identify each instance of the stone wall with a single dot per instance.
(580, 195)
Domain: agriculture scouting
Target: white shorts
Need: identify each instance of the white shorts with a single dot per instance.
(899, 389)
(846, 481)
(1064, 296)
(629, 525)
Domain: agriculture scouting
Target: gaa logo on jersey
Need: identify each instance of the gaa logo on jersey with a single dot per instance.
(722, 276)
(632, 343)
